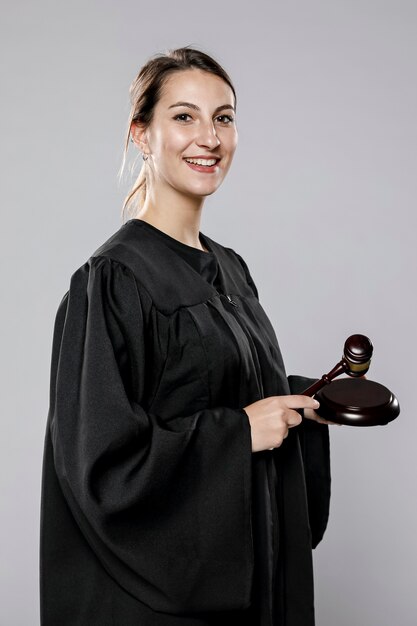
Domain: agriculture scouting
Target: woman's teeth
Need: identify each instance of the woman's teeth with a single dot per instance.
(208, 162)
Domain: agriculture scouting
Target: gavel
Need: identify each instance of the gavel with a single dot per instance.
(354, 401)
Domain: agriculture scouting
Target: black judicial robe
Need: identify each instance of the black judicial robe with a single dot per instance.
(154, 510)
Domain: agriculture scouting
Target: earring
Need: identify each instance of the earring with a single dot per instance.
(145, 158)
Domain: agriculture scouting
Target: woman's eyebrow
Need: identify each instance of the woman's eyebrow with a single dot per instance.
(196, 108)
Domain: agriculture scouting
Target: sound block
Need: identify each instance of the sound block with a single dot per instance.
(357, 402)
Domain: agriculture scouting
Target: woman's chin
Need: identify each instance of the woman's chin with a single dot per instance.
(200, 191)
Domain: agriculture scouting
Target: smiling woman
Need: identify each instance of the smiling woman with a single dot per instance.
(191, 127)
(180, 484)
(200, 140)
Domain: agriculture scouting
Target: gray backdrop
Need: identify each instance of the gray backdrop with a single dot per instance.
(320, 201)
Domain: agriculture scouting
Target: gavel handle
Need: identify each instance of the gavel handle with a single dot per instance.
(340, 368)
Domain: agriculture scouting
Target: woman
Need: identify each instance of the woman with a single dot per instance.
(180, 483)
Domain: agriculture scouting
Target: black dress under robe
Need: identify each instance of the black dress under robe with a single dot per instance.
(154, 510)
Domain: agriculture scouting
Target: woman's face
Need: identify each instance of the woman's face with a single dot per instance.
(203, 126)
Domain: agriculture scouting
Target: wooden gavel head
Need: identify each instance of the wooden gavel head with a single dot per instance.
(357, 354)
(360, 402)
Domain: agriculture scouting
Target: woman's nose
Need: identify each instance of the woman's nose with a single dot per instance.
(207, 136)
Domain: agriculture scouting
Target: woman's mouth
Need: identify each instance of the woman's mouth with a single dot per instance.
(207, 166)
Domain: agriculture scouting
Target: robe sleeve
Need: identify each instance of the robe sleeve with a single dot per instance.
(166, 508)
(315, 450)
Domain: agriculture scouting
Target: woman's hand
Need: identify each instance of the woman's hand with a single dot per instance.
(271, 417)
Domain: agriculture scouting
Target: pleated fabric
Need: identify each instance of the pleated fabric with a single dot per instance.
(154, 510)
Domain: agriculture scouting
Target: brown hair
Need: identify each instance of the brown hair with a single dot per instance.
(145, 92)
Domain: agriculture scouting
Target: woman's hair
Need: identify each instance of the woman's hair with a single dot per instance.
(145, 92)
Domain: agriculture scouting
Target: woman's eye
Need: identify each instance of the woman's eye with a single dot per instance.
(181, 115)
(228, 117)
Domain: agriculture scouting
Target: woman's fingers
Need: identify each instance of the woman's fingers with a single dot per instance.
(294, 419)
(298, 401)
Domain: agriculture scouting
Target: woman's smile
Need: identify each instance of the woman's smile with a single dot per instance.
(205, 166)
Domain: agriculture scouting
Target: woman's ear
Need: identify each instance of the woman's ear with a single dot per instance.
(138, 135)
